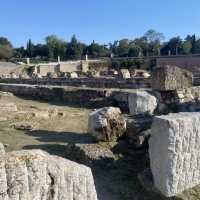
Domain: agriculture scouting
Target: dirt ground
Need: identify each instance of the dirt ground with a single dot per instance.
(119, 182)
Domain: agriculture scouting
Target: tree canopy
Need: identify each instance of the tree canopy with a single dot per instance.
(150, 44)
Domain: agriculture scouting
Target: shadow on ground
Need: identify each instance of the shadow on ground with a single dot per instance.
(118, 181)
(65, 137)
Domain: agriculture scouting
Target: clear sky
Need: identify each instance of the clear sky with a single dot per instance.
(100, 20)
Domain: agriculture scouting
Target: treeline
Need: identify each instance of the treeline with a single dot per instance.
(150, 44)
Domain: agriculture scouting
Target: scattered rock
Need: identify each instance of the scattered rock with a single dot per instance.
(34, 174)
(9, 107)
(141, 102)
(24, 126)
(90, 154)
(107, 124)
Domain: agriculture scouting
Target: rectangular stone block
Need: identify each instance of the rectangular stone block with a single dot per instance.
(174, 149)
(171, 78)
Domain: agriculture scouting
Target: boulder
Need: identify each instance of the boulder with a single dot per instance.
(174, 152)
(107, 124)
(90, 154)
(171, 78)
(34, 174)
(141, 102)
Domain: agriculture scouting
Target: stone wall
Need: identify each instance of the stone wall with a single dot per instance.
(191, 63)
(86, 82)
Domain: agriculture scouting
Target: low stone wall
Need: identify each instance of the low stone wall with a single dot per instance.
(87, 82)
(94, 97)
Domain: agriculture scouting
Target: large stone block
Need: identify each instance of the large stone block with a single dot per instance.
(36, 175)
(171, 78)
(107, 124)
(174, 150)
(141, 102)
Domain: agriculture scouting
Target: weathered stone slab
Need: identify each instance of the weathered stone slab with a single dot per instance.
(36, 175)
(171, 78)
(174, 150)
(141, 102)
(107, 124)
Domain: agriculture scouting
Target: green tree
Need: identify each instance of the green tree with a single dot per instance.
(6, 49)
(75, 49)
(123, 48)
(96, 50)
(56, 47)
(30, 48)
(186, 47)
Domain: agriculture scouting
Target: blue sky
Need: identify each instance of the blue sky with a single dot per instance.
(100, 20)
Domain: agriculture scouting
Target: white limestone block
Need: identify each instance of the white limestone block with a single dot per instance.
(141, 102)
(174, 149)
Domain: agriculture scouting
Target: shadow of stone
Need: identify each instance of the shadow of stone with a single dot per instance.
(54, 149)
(53, 136)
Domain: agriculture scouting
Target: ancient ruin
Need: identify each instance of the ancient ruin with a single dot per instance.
(105, 122)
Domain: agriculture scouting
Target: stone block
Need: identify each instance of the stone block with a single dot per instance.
(141, 102)
(171, 78)
(174, 150)
(107, 124)
(34, 174)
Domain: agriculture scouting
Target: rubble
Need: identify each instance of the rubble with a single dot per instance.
(90, 154)
(107, 124)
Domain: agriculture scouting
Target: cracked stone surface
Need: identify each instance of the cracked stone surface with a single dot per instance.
(36, 175)
(174, 149)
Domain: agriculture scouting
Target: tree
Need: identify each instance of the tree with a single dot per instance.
(56, 47)
(154, 36)
(75, 49)
(96, 50)
(134, 50)
(30, 48)
(143, 44)
(6, 49)
(186, 47)
(173, 45)
(123, 48)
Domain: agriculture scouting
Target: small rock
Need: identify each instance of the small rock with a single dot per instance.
(107, 124)
(90, 154)
(24, 126)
